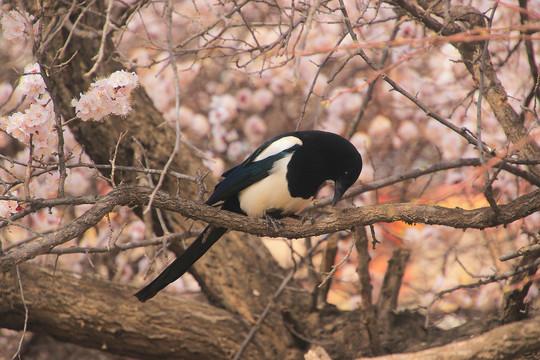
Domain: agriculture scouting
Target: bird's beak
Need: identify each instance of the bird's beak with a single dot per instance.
(339, 190)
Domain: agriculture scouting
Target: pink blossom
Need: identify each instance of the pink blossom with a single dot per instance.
(36, 115)
(136, 230)
(82, 107)
(320, 84)
(343, 101)
(199, 125)
(215, 164)
(397, 142)
(45, 140)
(407, 131)
(13, 25)
(107, 96)
(255, 129)
(223, 108)
(32, 84)
(353, 101)
(337, 98)
(278, 84)
(262, 98)
(379, 127)
(8, 207)
(185, 116)
(235, 150)
(231, 135)
(333, 124)
(45, 186)
(13, 124)
(122, 79)
(218, 138)
(77, 182)
(361, 140)
(38, 119)
(244, 98)
(218, 116)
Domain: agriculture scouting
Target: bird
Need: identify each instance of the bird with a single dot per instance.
(279, 179)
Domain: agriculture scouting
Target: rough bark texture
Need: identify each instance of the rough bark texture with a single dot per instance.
(514, 341)
(238, 275)
(342, 220)
(98, 314)
(107, 317)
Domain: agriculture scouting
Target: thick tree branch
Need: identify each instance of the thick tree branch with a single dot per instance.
(388, 298)
(97, 314)
(480, 218)
(517, 340)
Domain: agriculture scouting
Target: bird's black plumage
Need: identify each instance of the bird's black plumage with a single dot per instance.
(279, 178)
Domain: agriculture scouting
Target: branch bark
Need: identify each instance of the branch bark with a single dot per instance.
(513, 341)
(388, 297)
(102, 315)
(480, 218)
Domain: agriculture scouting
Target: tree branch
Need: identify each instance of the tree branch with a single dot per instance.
(106, 317)
(505, 342)
(480, 218)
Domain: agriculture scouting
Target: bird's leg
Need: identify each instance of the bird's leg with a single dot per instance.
(303, 219)
(273, 221)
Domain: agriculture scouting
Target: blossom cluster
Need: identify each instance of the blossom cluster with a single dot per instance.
(107, 96)
(36, 124)
(7, 207)
(14, 26)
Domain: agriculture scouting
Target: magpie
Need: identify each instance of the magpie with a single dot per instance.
(279, 179)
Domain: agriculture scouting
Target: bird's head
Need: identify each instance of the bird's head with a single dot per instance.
(345, 179)
(345, 169)
(323, 156)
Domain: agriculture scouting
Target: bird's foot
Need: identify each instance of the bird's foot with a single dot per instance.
(305, 219)
(272, 221)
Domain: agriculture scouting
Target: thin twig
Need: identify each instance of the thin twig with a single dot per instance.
(104, 34)
(155, 241)
(488, 190)
(335, 267)
(19, 347)
(113, 161)
(172, 62)
(520, 252)
(488, 280)
(273, 299)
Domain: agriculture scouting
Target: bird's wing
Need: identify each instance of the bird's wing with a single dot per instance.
(241, 176)
(255, 168)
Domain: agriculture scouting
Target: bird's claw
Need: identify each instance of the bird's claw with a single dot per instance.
(276, 223)
(304, 219)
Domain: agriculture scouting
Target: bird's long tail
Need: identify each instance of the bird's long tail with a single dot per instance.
(182, 263)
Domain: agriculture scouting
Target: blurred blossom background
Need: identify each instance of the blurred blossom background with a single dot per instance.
(240, 85)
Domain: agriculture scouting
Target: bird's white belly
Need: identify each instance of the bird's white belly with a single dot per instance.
(271, 193)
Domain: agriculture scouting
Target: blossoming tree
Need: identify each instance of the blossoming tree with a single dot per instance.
(117, 116)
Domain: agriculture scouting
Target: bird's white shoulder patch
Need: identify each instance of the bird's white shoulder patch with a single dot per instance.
(278, 146)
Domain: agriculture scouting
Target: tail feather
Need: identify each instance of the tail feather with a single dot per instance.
(182, 263)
